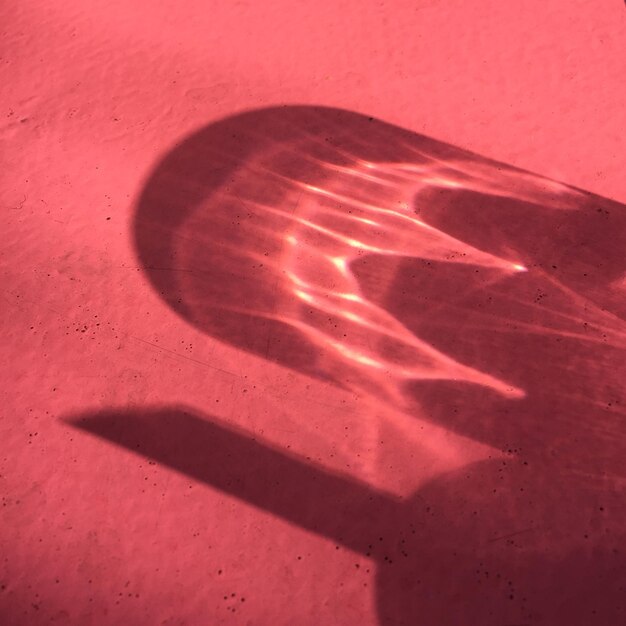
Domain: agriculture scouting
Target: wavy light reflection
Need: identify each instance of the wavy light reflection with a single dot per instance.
(383, 261)
(318, 231)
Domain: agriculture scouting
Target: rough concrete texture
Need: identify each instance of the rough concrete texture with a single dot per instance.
(300, 366)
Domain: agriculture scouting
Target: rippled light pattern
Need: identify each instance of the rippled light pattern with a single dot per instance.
(286, 234)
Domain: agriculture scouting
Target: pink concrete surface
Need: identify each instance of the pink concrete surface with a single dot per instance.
(158, 467)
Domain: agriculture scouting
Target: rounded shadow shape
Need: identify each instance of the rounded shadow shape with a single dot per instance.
(218, 215)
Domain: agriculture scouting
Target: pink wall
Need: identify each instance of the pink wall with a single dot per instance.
(513, 507)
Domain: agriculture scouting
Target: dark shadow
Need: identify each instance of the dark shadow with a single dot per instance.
(499, 543)
(556, 331)
(236, 226)
(226, 458)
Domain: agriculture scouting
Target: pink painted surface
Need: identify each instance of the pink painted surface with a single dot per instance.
(158, 467)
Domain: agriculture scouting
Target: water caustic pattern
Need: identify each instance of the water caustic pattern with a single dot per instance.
(288, 232)
(288, 222)
(321, 236)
